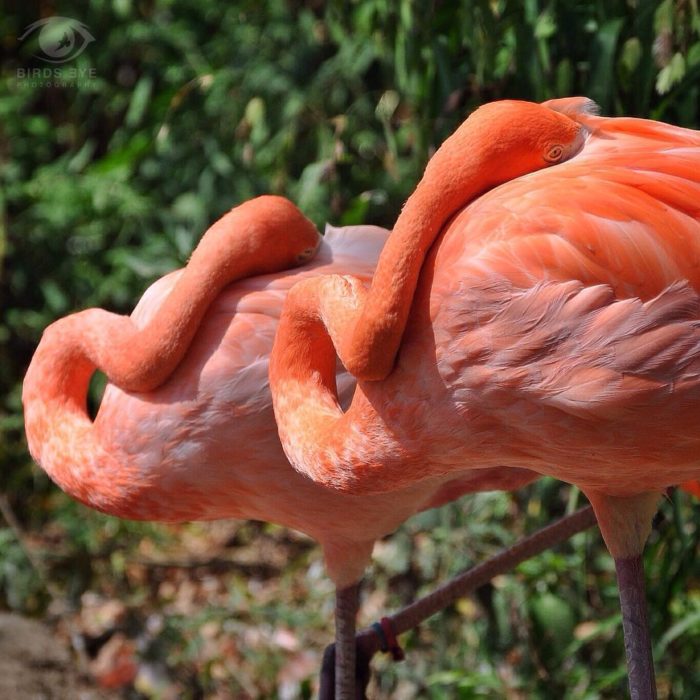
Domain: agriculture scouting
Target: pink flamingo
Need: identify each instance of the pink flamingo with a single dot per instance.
(185, 430)
(555, 325)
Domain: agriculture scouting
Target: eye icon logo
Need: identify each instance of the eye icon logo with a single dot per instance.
(60, 39)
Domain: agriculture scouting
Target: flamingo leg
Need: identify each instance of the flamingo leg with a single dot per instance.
(326, 690)
(635, 626)
(346, 605)
(367, 641)
(625, 523)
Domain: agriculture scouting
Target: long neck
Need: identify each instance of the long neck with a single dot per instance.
(371, 349)
(436, 198)
(142, 359)
(60, 433)
(485, 151)
(345, 451)
(59, 430)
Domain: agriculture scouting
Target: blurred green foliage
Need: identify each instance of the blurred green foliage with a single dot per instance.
(186, 108)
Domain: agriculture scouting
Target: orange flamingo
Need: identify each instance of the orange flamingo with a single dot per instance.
(185, 429)
(555, 325)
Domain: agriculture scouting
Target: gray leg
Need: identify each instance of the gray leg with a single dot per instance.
(635, 627)
(346, 604)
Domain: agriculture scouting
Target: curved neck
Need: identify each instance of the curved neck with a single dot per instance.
(302, 380)
(264, 235)
(495, 145)
(437, 197)
(330, 447)
(370, 351)
(141, 359)
(59, 431)
(235, 247)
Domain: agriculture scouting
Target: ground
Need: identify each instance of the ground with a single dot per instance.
(35, 665)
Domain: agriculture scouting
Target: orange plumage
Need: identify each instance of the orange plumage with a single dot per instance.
(557, 313)
(554, 325)
(203, 444)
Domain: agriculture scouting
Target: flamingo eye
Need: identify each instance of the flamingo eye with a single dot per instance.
(554, 153)
(306, 255)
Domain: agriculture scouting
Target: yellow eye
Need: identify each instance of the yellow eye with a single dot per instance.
(554, 153)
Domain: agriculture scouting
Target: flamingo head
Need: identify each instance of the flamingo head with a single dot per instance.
(512, 138)
(278, 233)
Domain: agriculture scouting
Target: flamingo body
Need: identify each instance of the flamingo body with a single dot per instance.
(555, 326)
(563, 309)
(203, 444)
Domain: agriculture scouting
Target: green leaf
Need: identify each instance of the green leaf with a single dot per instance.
(555, 620)
(356, 211)
(545, 26)
(189, 207)
(670, 74)
(81, 159)
(603, 49)
(663, 17)
(123, 158)
(676, 631)
(631, 54)
(386, 107)
(140, 98)
(693, 56)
